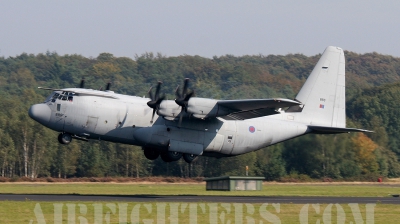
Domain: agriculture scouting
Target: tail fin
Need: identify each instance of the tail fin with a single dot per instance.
(323, 94)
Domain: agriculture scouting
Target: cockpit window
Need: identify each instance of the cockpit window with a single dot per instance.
(61, 96)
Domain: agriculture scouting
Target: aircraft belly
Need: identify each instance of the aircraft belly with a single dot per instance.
(185, 135)
(213, 142)
(186, 147)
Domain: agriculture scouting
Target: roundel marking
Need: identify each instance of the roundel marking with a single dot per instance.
(252, 129)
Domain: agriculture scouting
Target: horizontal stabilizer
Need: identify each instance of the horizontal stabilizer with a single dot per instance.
(334, 130)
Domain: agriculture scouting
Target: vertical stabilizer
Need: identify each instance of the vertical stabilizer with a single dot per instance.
(323, 94)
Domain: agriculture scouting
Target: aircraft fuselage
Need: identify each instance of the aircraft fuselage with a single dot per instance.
(127, 120)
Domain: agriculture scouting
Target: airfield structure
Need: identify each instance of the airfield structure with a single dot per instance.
(234, 183)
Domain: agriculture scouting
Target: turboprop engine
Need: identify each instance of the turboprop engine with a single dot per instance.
(196, 107)
(205, 108)
(185, 105)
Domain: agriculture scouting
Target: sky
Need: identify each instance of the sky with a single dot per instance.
(206, 28)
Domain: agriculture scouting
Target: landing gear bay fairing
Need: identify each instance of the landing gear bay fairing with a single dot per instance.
(189, 126)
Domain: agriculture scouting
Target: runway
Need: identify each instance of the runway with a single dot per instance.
(197, 199)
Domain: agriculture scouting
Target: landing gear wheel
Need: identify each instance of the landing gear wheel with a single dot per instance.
(64, 138)
(170, 156)
(174, 156)
(189, 158)
(151, 154)
(165, 157)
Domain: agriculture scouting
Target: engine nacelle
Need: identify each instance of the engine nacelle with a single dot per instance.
(205, 108)
(169, 109)
(197, 107)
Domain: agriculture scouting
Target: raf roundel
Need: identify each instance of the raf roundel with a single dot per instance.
(252, 129)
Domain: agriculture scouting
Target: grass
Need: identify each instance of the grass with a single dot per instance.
(23, 212)
(357, 190)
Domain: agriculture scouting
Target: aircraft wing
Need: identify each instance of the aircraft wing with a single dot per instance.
(252, 108)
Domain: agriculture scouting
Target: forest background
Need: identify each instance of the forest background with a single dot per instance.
(27, 149)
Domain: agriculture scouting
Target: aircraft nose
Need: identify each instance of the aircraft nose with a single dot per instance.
(40, 113)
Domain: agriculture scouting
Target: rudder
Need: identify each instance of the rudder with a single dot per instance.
(323, 94)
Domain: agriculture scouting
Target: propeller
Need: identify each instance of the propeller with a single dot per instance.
(155, 100)
(82, 84)
(182, 99)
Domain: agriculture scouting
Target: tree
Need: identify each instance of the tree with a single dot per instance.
(364, 149)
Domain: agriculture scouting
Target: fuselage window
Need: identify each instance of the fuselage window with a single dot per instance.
(58, 107)
(64, 98)
(70, 98)
(59, 97)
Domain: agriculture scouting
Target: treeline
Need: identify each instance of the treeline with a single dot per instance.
(31, 150)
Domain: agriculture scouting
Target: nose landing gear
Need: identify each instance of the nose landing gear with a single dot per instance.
(64, 138)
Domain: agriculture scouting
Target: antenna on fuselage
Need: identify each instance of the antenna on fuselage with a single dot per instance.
(82, 85)
(108, 86)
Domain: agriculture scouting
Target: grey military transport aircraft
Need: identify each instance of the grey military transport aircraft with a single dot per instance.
(191, 126)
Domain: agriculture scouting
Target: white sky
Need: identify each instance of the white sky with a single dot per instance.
(205, 28)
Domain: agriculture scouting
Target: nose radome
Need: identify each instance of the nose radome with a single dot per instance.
(40, 113)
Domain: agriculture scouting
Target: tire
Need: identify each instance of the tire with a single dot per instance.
(165, 157)
(174, 156)
(189, 158)
(151, 154)
(64, 138)
(170, 156)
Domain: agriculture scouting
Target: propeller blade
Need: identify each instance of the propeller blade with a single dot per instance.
(151, 94)
(185, 86)
(152, 116)
(177, 94)
(180, 119)
(155, 100)
(158, 90)
(183, 99)
(189, 95)
(160, 99)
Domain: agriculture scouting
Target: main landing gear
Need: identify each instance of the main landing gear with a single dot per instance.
(64, 138)
(151, 154)
(167, 156)
(189, 158)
